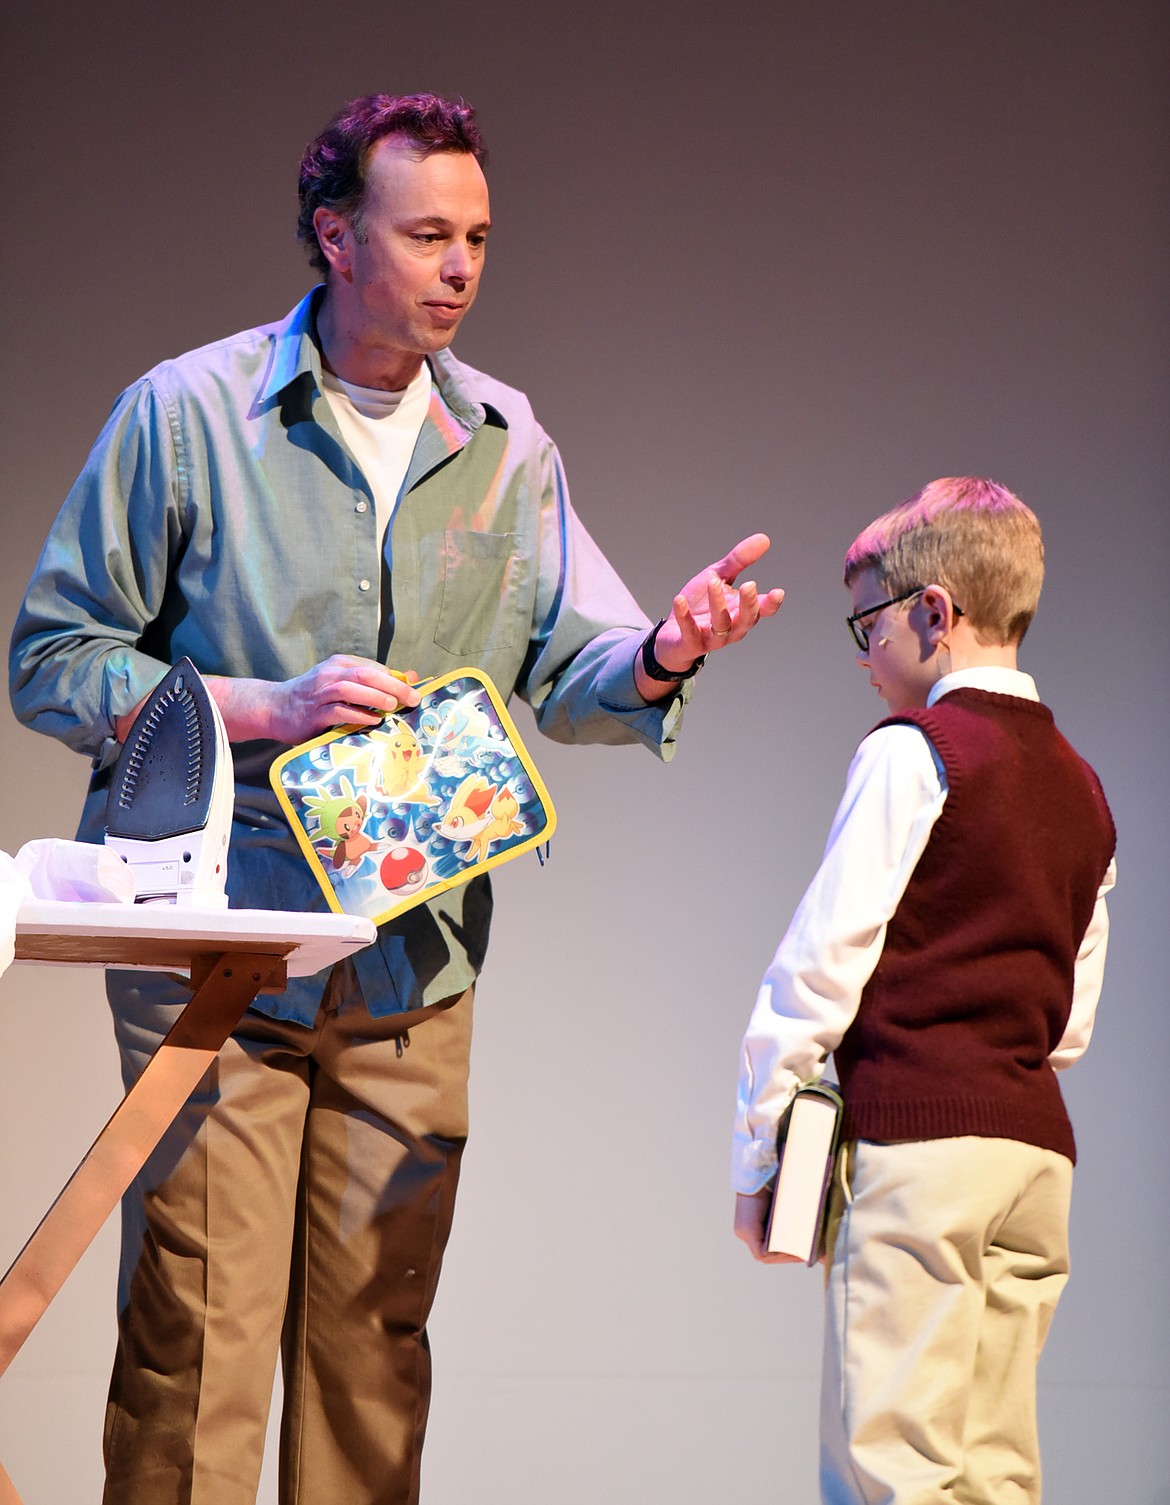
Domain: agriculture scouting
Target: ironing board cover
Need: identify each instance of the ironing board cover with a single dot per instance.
(388, 816)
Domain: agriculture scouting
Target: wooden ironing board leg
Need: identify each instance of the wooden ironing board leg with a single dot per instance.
(225, 985)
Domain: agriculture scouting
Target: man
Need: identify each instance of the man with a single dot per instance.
(294, 508)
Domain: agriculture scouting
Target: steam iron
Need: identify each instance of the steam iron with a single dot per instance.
(169, 809)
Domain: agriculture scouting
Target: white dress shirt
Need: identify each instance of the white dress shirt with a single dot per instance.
(894, 793)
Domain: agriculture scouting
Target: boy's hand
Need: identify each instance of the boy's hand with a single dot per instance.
(751, 1220)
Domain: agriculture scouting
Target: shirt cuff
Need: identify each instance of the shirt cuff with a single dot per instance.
(753, 1166)
(655, 723)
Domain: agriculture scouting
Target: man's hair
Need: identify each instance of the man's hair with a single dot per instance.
(967, 534)
(333, 165)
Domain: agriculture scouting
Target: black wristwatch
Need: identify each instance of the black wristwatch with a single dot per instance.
(655, 670)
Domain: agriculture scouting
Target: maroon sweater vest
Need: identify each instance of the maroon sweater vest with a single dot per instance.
(974, 985)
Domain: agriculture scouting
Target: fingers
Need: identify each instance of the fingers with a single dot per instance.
(719, 608)
(751, 1215)
(748, 613)
(730, 613)
(753, 607)
(361, 683)
(344, 690)
(726, 613)
(753, 1239)
(733, 613)
(751, 1222)
(691, 635)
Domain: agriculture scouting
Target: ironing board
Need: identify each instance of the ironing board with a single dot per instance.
(231, 955)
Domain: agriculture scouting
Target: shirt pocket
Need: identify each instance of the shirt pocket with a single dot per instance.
(480, 597)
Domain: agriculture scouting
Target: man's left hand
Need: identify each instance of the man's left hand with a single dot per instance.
(710, 612)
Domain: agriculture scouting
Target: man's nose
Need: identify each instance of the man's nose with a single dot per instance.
(458, 268)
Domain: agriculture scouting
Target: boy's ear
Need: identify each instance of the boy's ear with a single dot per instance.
(938, 612)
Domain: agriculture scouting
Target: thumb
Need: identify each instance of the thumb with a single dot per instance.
(745, 553)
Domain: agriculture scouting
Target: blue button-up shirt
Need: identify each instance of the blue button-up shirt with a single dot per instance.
(220, 516)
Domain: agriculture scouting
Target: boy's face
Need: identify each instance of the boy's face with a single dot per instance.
(901, 654)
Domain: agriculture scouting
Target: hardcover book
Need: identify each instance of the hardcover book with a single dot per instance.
(390, 815)
(808, 1153)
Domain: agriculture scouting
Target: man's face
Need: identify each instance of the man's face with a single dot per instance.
(403, 277)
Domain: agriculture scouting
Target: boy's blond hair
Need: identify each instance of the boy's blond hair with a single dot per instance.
(967, 534)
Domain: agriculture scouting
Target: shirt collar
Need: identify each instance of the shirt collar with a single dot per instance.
(993, 678)
(295, 354)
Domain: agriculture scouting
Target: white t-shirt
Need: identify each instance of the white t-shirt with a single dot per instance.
(381, 429)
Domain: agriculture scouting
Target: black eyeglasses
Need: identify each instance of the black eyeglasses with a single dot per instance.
(861, 634)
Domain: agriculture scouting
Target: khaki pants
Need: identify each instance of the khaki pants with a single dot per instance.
(949, 1259)
(301, 1202)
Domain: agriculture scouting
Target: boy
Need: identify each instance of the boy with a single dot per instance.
(950, 951)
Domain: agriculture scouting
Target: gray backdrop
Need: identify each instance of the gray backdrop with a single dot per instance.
(775, 267)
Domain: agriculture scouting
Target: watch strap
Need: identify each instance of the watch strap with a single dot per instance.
(656, 671)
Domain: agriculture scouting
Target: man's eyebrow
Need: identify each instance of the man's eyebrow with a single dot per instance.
(441, 222)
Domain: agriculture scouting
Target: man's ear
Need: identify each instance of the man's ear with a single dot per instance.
(335, 237)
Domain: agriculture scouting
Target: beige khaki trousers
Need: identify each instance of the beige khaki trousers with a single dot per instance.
(948, 1262)
(300, 1203)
